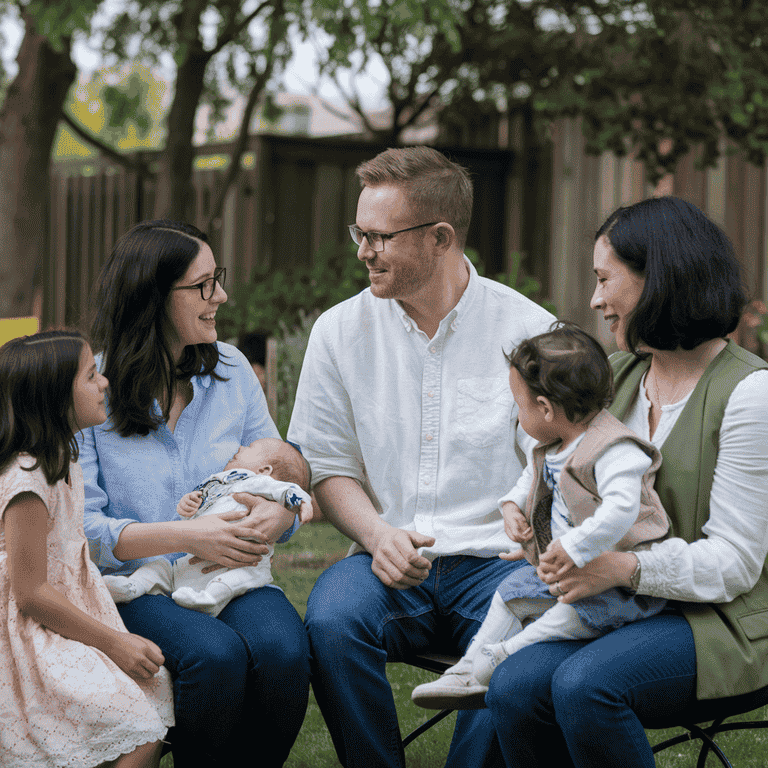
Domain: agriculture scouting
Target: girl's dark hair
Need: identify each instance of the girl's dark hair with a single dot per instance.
(130, 325)
(37, 375)
(693, 290)
(567, 366)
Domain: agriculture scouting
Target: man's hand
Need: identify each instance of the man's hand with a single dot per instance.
(396, 560)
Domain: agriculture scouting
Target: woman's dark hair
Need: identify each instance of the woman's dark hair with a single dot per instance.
(567, 366)
(130, 324)
(37, 375)
(693, 290)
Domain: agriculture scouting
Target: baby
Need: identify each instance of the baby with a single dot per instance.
(588, 489)
(269, 468)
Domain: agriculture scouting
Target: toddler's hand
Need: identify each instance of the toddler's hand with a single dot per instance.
(515, 524)
(189, 504)
(555, 562)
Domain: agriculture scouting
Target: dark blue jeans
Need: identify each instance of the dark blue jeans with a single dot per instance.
(356, 624)
(584, 703)
(240, 681)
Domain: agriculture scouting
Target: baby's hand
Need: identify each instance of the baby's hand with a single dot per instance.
(305, 512)
(189, 504)
(555, 562)
(515, 524)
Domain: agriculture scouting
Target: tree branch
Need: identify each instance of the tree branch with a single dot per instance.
(132, 165)
(232, 30)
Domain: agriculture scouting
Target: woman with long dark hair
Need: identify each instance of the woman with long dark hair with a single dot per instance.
(180, 404)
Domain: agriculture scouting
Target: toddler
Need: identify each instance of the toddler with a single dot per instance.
(269, 468)
(588, 489)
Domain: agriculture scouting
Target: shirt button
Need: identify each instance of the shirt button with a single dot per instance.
(426, 482)
(429, 437)
(430, 394)
(433, 350)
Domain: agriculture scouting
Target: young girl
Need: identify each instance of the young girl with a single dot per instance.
(588, 489)
(76, 689)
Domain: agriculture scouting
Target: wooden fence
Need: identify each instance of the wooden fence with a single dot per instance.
(295, 195)
(292, 197)
(586, 189)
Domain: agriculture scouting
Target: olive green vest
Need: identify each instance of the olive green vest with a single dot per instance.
(731, 639)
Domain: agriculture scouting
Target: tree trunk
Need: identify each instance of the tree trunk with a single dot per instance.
(174, 195)
(28, 122)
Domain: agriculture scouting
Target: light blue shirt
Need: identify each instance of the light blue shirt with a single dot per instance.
(141, 479)
(428, 427)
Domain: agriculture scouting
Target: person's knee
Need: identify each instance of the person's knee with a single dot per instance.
(217, 661)
(338, 600)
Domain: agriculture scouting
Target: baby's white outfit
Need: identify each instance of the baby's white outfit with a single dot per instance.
(187, 584)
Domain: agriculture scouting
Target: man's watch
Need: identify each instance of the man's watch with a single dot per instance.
(634, 579)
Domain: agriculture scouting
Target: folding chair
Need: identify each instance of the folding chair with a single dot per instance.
(715, 710)
(432, 662)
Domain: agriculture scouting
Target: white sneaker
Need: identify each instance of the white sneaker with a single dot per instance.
(486, 661)
(451, 691)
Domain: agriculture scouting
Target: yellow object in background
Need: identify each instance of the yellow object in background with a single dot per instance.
(12, 327)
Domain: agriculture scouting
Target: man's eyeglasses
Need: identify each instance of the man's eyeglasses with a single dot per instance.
(377, 239)
(208, 286)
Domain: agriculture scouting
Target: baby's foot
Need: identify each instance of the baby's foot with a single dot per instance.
(122, 589)
(197, 601)
(487, 660)
(451, 691)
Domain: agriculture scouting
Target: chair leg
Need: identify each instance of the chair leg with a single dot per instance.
(426, 726)
(707, 744)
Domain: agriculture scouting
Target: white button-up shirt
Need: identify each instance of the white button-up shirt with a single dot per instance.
(427, 426)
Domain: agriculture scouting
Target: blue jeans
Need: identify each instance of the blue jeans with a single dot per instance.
(240, 681)
(584, 703)
(356, 625)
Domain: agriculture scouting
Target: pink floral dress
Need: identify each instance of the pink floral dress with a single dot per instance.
(63, 703)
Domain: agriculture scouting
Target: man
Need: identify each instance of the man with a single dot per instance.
(404, 413)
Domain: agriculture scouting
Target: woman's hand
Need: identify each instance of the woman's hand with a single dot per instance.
(611, 569)
(229, 544)
(138, 657)
(267, 520)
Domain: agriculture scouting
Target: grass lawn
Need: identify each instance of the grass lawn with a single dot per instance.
(297, 565)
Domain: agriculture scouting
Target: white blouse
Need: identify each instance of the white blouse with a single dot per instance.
(728, 561)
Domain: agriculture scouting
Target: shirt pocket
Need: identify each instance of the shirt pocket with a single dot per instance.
(483, 410)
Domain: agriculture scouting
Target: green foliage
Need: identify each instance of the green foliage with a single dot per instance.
(59, 21)
(278, 298)
(656, 78)
(291, 347)
(516, 279)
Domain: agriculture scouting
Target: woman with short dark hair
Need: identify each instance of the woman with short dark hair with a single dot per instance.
(180, 405)
(669, 285)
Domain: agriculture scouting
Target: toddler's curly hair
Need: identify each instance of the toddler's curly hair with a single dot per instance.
(568, 366)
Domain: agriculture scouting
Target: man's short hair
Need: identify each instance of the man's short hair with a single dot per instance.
(438, 189)
(567, 366)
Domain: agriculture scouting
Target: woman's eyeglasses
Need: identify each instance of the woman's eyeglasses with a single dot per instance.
(208, 286)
